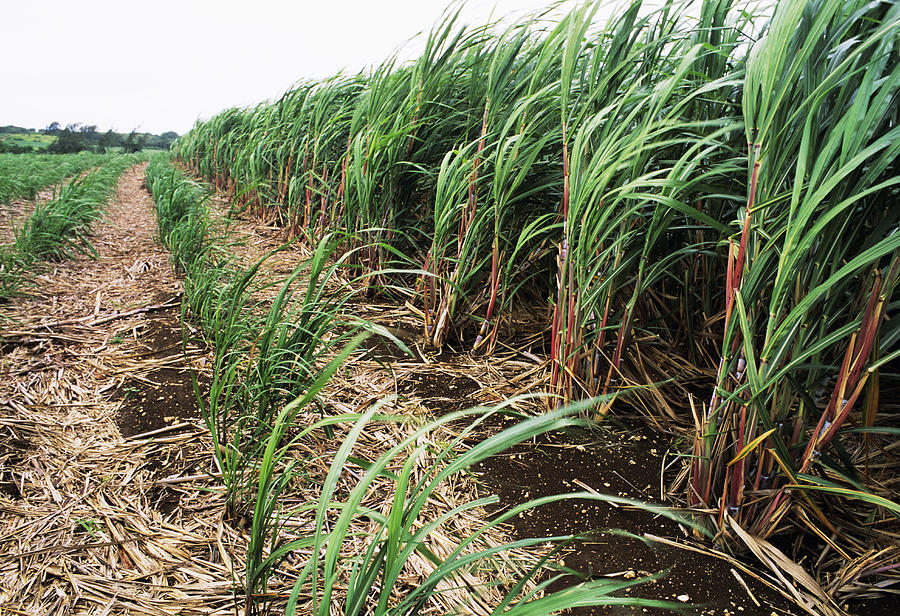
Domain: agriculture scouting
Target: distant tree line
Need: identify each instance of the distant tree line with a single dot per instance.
(78, 137)
(10, 129)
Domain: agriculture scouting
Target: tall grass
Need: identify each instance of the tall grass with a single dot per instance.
(713, 190)
(638, 156)
(463, 161)
(811, 273)
(273, 357)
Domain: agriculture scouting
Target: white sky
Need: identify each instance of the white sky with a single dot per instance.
(159, 65)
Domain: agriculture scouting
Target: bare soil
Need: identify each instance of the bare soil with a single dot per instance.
(621, 461)
(163, 397)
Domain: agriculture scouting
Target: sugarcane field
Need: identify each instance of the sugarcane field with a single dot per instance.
(584, 308)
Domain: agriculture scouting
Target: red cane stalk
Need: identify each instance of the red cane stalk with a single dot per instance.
(734, 274)
(480, 340)
(870, 406)
(623, 337)
(738, 265)
(215, 165)
(472, 201)
(557, 348)
(601, 334)
(737, 477)
(556, 324)
(295, 214)
(341, 189)
(307, 210)
(572, 337)
(285, 180)
(849, 377)
(271, 212)
(324, 202)
(233, 177)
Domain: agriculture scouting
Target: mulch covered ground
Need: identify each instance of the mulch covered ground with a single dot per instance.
(86, 517)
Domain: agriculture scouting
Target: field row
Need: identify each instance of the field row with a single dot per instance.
(23, 175)
(287, 460)
(59, 225)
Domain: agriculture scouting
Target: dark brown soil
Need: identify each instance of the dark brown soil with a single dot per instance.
(382, 349)
(439, 391)
(164, 499)
(167, 396)
(619, 461)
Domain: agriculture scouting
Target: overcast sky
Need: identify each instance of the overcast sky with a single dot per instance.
(160, 65)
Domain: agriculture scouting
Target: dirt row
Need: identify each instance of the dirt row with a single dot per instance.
(105, 502)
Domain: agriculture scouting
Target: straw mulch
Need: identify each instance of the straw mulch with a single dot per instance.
(79, 531)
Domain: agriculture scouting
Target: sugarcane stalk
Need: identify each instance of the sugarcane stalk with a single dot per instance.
(559, 350)
(494, 288)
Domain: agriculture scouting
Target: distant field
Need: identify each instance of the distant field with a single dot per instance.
(28, 140)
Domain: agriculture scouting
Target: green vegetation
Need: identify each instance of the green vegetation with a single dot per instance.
(24, 142)
(713, 195)
(60, 225)
(375, 577)
(78, 138)
(23, 175)
(267, 350)
(272, 358)
(810, 276)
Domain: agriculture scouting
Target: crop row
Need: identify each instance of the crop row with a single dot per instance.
(61, 224)
(285, 469)
(23, 175)
(720, 189)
